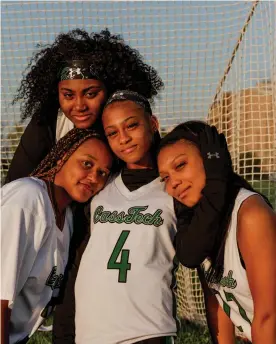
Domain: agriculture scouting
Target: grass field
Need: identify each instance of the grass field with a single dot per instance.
(190, 334)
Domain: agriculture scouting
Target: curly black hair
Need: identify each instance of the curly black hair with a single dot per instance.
(118, 65)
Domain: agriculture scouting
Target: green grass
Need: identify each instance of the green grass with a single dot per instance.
(194, 334)
(42, 337)
(190, 334)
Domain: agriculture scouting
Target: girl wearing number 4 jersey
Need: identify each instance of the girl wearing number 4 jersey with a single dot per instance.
(124, 289)
(239, 273)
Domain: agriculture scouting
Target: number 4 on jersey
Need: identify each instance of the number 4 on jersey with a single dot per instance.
(123, 265)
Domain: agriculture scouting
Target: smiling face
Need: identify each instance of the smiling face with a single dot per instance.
(181, 168)
(130, 131)
(82, 100)
(86, 171)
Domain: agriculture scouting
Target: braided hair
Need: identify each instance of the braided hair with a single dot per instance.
(115, 63)
(62, 151)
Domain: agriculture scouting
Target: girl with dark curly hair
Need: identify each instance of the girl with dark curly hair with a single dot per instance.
(67, 84)
(238, 273)
(37, 228)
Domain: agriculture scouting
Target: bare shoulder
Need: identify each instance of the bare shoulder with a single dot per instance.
(255, 214)
(256, 235)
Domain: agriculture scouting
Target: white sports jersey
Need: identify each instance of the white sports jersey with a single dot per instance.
(233, 291)
(123, 289)
(34, 254)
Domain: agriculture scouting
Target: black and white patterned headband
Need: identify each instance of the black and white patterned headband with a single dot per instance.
(130, 95)
(77, 69)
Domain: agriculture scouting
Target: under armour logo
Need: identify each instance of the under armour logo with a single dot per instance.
(210, 155)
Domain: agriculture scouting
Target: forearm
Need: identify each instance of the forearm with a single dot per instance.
(264, 329)
(225, 328)
(5, 320)
(220, 326)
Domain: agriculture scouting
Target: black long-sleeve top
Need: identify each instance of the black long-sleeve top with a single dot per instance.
(35, 143)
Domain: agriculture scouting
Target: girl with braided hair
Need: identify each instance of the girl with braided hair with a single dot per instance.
(67, 83)
(37, 228)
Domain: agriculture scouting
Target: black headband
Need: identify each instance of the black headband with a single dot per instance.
(77, 69)
(132, 96)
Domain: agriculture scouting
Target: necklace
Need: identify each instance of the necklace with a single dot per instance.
(59, 215)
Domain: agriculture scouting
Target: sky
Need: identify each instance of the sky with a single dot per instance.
(189, 43)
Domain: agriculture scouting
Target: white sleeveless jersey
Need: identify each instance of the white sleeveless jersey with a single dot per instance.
(123, 289)
(233, 291)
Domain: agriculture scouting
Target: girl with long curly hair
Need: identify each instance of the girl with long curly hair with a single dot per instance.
(67, 83)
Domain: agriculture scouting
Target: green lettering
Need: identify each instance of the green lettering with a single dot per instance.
(97, 214)
(112, 218)
(120, 217)
(105, 216)
(147, 219)
(139, 219)
(134, 215)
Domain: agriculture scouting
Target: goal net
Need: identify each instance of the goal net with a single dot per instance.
(217, 61)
